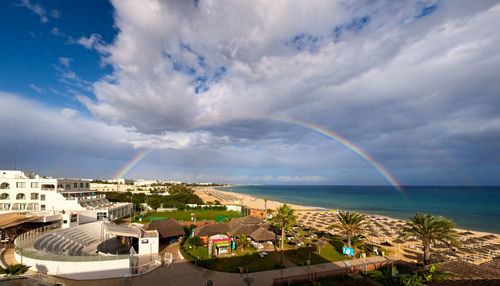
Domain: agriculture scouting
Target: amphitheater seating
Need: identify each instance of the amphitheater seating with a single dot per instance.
(70, 241)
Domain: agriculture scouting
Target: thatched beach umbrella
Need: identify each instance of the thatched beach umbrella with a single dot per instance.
(398, 240)
(320, 243)
(299, 240)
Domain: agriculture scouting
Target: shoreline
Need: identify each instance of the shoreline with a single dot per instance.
(381, 230)
(258, 203)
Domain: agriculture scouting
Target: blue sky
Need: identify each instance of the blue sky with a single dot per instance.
(85, 86)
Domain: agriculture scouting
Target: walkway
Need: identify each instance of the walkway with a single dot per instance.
(276, 255)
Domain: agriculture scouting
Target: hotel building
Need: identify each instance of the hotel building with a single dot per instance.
(22, 191)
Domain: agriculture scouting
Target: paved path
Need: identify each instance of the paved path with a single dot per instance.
(276, 255)
(183, 273)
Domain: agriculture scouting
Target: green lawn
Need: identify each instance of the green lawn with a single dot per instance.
(186, 215)
(248, 259)
(327, 253)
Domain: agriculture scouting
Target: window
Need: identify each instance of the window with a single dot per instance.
(22, 206)
(20, 196)
(42, 207)
(4, 186)
(81, 185)
(101, 215)
(34, 185)
(4, 196)
(48, 187)
(21, 184)
(34, 196)
(42, 197)
(75, 185)
(86, 185)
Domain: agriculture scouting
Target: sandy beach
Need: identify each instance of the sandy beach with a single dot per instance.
(477, 247)
(210, 194)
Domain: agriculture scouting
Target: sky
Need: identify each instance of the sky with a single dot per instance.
(223, 91)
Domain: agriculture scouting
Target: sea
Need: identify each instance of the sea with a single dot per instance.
(471, 208)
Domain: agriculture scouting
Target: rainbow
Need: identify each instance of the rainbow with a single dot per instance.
(307, 125)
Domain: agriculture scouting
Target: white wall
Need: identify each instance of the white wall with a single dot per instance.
(87, 216)
(148, 245)
(233, 208)
(79, 270)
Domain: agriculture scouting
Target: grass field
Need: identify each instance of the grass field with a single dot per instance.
(327, 253)
(186, 215)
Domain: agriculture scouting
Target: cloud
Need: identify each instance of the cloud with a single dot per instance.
(412, 84)
(39, 10)
(36, 88)
(64, 142)
(68, 77)
(65, 61)
(180, 64)
(69, 113)
(93, 42)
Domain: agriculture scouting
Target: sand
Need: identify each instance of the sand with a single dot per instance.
(209, 194)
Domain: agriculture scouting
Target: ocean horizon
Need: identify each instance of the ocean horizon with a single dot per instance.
(471, 208)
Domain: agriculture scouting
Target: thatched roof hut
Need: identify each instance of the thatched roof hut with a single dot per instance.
(167, 228)
(262, 234)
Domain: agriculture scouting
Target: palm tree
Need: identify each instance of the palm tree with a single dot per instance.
(351, 223)
(243, 241)
(265, 207)
(431, 229)
(284, 218)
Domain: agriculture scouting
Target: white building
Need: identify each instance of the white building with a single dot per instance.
(26, 191)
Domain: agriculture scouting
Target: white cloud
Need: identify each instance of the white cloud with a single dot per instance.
(39, 10)
(69, 113)
(36, 88)
(177, 65)
(65, 61)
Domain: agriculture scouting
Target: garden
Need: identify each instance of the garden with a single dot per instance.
(246, 259)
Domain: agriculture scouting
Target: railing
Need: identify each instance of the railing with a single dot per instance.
(41, 255)
(148, 266)
(35, 233)
(312, 276)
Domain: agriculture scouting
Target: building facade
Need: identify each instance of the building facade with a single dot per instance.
(26, 191)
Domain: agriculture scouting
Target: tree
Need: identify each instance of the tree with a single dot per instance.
(284, 219)
(430, 229)
(243, 241)
(265, 207)
(194, 241)
(351, 223)
(154, 201)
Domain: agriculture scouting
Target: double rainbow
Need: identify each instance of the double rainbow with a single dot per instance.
(307, 125)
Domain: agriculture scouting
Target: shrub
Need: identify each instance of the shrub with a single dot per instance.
(16, 269)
